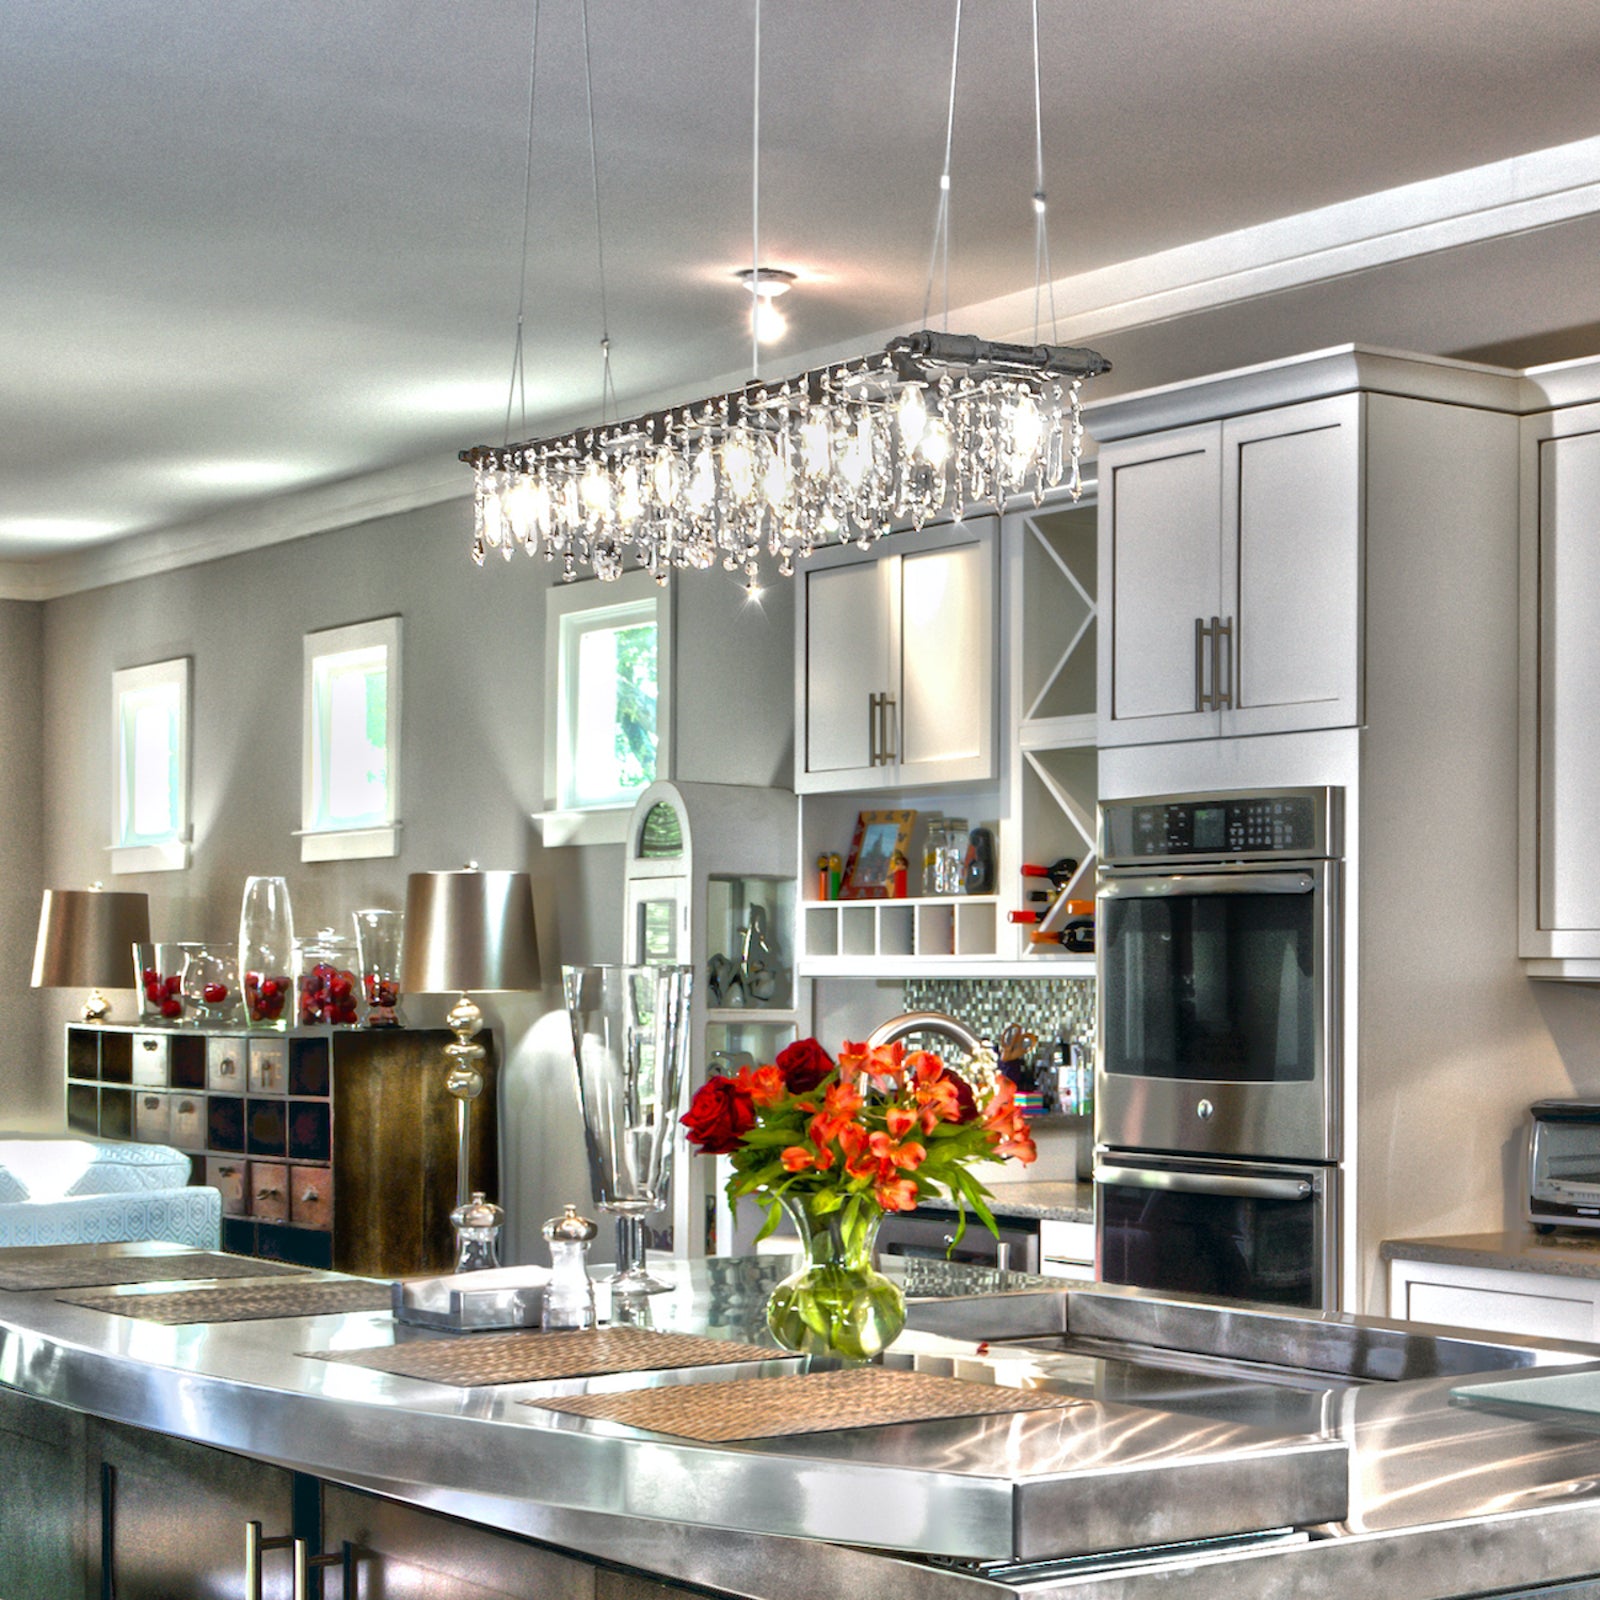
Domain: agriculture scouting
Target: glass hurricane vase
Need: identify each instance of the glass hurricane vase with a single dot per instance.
(838, 1304)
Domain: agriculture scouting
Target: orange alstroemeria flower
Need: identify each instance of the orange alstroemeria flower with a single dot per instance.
(798, 1159)
(891, 1156)
(937, 1102)
(899, 1121)
(1008, 1125)
(883, 1065)
(899, 1194)
(765, 1085)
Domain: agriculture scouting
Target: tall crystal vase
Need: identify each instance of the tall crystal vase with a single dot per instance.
(630, 1042)
(266, 952)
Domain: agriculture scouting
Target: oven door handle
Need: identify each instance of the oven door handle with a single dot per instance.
(1182, 883)
(1236, 1185)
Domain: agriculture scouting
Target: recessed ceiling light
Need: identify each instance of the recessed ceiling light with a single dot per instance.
(765, 284)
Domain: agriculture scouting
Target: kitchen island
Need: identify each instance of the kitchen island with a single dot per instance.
(1227, 1451)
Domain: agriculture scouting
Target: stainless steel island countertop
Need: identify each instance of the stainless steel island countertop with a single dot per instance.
(1247, 1451)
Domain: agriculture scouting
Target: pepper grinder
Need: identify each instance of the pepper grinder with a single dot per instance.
(569, 1295)
(477, 1225)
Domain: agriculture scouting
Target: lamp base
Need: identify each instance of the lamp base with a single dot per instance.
(95, 1008)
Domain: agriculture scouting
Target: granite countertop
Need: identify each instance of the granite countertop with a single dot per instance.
(1571, 1254)
(1055, 1200)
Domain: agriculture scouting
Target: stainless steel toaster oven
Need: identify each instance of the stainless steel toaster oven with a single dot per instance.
(1562, 1164)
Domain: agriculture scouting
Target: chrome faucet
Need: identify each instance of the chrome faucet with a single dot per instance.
(909, 1022)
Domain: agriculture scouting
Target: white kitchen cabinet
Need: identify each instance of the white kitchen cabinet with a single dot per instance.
(1559, 904)
(896, 677)
(1494, 1299)
(1231, 576)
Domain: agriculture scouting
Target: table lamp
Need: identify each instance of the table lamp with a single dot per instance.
(467, 930)
(86, 940)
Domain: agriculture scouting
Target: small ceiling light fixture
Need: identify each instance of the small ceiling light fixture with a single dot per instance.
(932, 425)
(764, 285)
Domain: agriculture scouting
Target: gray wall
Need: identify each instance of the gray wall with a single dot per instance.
(29, 1087)
(472, 765)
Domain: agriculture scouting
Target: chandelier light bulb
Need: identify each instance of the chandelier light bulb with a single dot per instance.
(913, 416)
(935, 445)
(739, 467)
(596, 490)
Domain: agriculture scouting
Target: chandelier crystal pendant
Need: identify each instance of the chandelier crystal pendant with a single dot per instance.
(935, 424)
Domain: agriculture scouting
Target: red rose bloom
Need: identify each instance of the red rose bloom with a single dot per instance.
(804, 1064)
(719, 1116)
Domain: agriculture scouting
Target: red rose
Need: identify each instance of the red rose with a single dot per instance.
(804, 1064)
(719, 1116)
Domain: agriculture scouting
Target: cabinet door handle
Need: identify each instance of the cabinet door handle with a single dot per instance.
(254, 1547)
(305, 1564)
(1222, 663)
(1202, 697)
(887, 740)
(872, 729)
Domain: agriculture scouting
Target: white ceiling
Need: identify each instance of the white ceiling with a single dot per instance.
(250, 248)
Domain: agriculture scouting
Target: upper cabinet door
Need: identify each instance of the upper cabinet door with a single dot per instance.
(1561, 694)
(848, 656)
(947, 605)
(1291, 585)
(1160, 567)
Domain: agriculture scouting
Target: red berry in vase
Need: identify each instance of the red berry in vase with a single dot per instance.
(172, 1007)
(215, 993)
(170, 986)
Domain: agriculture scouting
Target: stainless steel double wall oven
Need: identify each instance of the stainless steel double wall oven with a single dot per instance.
(1217, 1076)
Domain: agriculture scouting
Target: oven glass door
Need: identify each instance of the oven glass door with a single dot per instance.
(1217, 1230)
(1214, 977)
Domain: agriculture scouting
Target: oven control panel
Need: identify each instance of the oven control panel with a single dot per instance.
(1217, 826)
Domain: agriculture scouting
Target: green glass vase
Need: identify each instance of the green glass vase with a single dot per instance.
(838, 1304)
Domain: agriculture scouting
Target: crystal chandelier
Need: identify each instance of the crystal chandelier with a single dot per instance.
(932, 426)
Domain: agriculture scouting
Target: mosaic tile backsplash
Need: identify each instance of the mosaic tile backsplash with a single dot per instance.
(1048, 1007)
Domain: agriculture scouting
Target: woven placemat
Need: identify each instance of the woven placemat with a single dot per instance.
(487, 1358)
(812, 1402)
(239, 1302)
(87, 1272)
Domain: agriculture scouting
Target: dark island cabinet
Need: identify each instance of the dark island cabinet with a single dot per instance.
(330, 1147)
(95, 1510)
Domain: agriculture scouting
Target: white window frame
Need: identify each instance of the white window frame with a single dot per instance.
(587, 599)
(171, 852)
(367, 842)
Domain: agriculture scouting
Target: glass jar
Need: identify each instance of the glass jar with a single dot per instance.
(211, 985)
(266, 951)
(326, 991)
(945, 856)
(378, 958)
(161, 994)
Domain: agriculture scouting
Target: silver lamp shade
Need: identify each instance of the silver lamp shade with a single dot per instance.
(469, 930)
(86, 940)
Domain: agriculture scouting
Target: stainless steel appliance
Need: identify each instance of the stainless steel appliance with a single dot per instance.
(1217, 1083)
(930, 1234)
(1562, 1165)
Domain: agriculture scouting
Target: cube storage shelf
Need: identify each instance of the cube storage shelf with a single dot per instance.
(330, 1147)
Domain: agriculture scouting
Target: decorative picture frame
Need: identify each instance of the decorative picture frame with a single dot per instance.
(879, 836)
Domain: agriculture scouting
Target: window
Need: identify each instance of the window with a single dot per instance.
(150, 767)
(608, 660)
(350, 755)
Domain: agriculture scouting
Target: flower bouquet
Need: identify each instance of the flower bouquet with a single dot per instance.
(837, 1145)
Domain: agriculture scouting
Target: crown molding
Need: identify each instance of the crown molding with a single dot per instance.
(251, 525)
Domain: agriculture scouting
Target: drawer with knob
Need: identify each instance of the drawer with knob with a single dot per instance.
(311, 1197)
(228, 1177)
(269, 1191)
(225, 1065)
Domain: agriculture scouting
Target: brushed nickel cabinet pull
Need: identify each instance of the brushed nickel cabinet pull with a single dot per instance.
(888, 741)
(1222, 662)
(254, 1547)
(872, 730)
(1202, 698)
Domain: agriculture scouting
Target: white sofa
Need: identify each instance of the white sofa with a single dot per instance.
(69, 1190)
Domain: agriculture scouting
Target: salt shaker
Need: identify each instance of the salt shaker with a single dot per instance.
(569, 1295)
(477, 1225)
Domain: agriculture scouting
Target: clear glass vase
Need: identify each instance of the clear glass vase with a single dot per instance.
(266, 952)
(838, 1304)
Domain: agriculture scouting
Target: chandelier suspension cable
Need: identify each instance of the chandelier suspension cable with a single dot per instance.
(519, 387)
(929, 427)
(608, 393)
(941, 219)
(755, 208)
(1041, 224)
